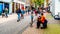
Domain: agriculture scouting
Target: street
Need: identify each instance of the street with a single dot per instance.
(14, 27)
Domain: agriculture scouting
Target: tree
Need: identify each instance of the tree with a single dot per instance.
(37, 2)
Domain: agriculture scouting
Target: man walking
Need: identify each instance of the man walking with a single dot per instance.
(18, 13)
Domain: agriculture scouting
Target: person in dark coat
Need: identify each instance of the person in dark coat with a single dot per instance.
(38, 22)
(45, 23)
(18, 13)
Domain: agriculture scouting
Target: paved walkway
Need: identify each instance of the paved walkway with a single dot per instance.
(53, 27)
(10, 17)
(11, 26)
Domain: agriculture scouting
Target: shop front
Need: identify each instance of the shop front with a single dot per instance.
(18, 4)
(5, 4)
(15, 6)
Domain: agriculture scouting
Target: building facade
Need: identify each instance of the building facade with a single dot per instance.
(18, 4)
(13, 5)
(4, 4)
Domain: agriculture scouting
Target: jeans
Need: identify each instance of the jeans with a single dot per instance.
(6, 15)
(18, 16)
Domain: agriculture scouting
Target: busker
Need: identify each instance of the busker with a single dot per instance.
(38, 21)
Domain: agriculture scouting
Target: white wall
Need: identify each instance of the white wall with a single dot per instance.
(52, 7)
(10, 8)
(57, 7)
(17, 1)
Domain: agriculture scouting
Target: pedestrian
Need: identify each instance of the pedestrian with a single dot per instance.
(43, 20)
(41, 10)
(6, 12)
(18, 11)
(35, 12)
(31, 17)
(22, 13)
(26, 10)
(38, 21)
(38, 11)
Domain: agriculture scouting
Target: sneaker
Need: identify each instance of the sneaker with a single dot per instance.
(18, 20)
(42, 28)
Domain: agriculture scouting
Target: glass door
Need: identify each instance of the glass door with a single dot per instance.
(1, 8)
